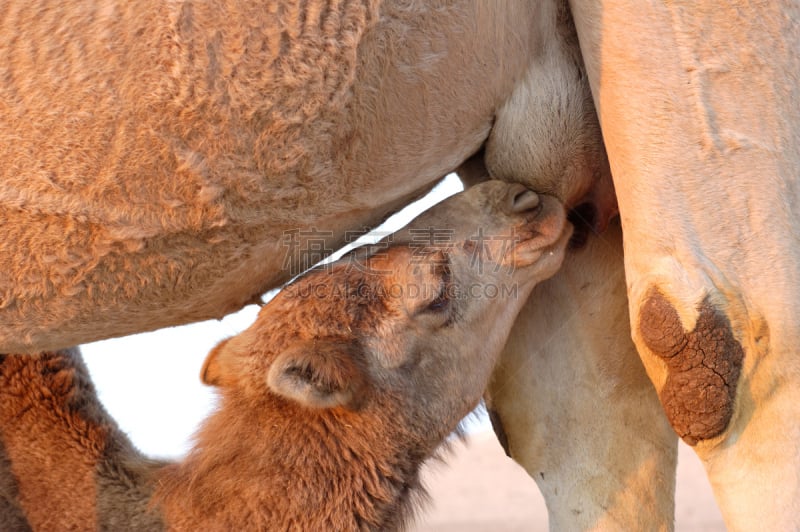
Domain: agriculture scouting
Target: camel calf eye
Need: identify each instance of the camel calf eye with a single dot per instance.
(441, 302)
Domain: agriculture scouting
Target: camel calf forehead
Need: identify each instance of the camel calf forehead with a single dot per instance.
(703, 366)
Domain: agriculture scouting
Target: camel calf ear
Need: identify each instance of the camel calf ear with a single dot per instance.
(319, 375)
(212, 373)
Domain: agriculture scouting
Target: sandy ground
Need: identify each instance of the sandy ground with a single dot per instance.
(479, 489)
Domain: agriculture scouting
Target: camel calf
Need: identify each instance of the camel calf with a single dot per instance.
(348, 380)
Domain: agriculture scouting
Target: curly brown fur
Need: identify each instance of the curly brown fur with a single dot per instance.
(62, 447)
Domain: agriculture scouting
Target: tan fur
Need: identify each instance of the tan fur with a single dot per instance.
(330, 401)
(153, 154)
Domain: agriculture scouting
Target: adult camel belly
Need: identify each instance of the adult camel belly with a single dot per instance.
(698, 106)
(166, 162)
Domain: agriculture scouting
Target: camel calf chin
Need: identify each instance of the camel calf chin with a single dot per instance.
(348, 380)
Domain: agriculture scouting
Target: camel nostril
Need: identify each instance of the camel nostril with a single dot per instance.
(523, 199)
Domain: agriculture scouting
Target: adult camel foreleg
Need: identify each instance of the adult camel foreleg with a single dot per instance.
(574, 403)
(698, 106)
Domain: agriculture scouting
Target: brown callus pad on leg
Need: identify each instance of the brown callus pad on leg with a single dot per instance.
(703, 366)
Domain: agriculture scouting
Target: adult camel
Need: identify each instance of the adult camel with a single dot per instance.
(155, 157)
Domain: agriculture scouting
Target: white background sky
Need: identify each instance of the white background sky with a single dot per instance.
(150, 383)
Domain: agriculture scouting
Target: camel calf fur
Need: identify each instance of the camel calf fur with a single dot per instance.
(348, 380)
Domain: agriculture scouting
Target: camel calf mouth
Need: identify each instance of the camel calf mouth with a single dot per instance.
(546, 235)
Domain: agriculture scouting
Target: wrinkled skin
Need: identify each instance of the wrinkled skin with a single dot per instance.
(706, 180)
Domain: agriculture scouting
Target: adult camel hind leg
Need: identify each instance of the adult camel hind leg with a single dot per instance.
(574, 405)
(698, 107)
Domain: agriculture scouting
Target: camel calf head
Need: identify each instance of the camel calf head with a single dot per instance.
(408, 329)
